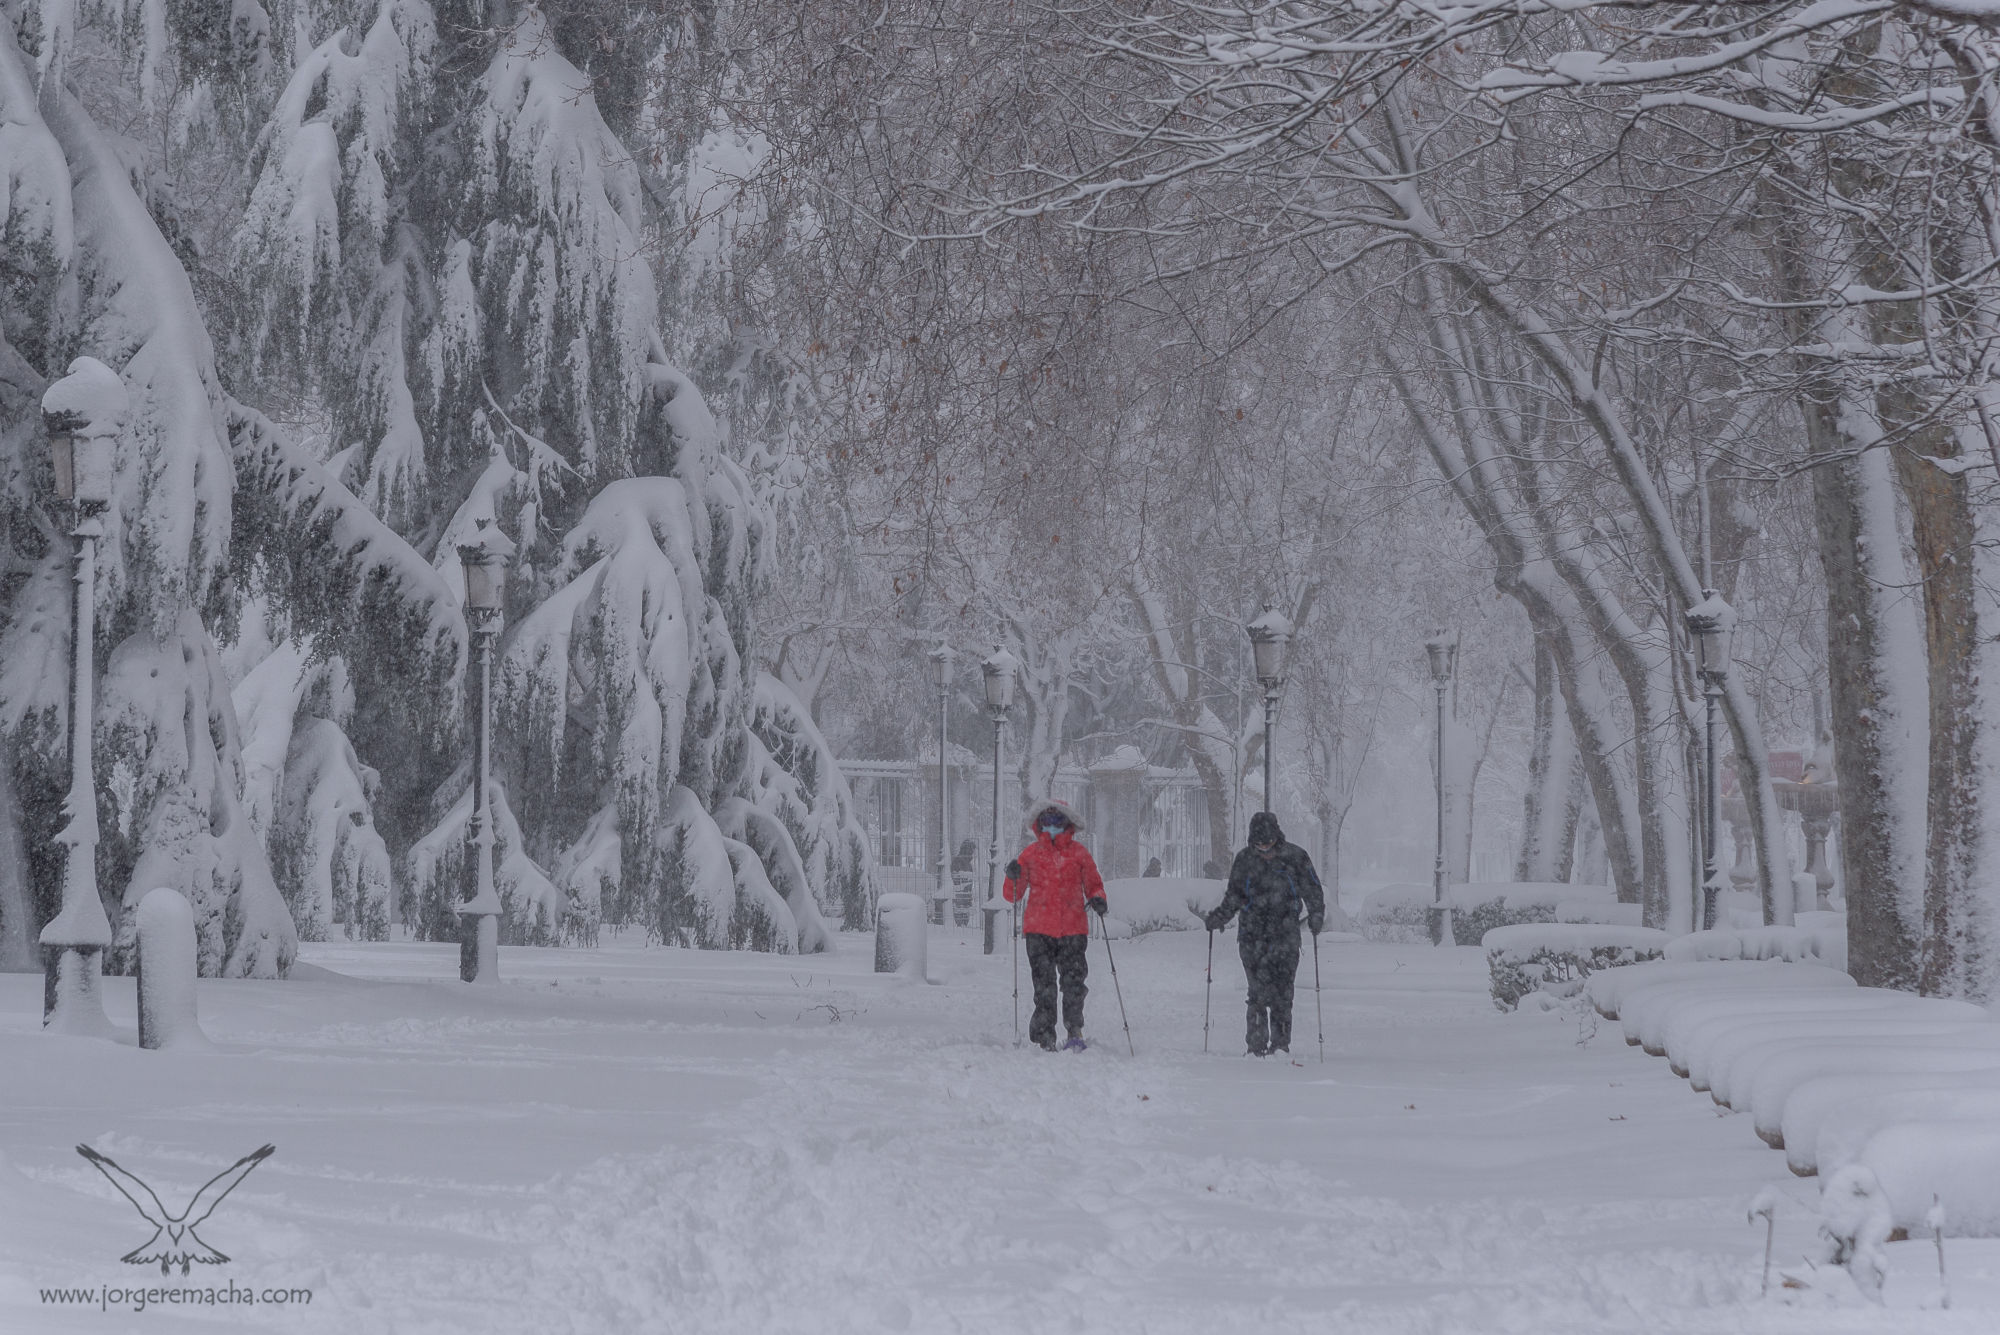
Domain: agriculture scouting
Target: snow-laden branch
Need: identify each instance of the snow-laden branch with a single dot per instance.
(341, 572)
(1826, 123)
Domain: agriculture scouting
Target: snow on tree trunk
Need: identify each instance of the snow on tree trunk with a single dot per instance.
(166, 972)
(1962, 896)
(1546, 819)
(1170, 643)
(1875, 670)
(1461, 761)
(1467, 458)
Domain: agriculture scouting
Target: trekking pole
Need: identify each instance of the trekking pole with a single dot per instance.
(1318, 1015)
(1208, 989)
(1115, 989)
(1017, 973)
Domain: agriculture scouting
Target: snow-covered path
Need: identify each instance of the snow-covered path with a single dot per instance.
(653, 1140)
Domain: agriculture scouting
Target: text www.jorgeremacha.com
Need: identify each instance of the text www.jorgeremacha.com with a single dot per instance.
(138, 1300)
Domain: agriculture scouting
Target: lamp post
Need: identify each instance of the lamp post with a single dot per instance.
(1709, 623)
(1270, 637)
(485, 562)
(1443, 658)
(1001, 670)
(82, 413)
(942, 659)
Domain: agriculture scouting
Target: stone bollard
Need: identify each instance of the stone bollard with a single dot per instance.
(166, 972)
(899, 934)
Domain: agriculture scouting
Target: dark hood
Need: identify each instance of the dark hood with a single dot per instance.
(1264, 827)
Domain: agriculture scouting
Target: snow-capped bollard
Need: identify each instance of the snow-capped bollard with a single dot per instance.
(899, 934)
(166, 972)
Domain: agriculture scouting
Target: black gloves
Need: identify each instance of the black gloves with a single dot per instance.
(1097, 904)
(1214, 920)
(1315, 921)
(1014, 871)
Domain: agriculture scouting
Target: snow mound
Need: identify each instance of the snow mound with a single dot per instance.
(1893, 1099)
(91, 398)
(900, 937)
(1954, 1162)
(167, 955)
(1610, 992)
(1161, 903)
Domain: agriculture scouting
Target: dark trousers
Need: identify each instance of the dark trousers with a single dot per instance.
(1052, 959)
(1271, 965)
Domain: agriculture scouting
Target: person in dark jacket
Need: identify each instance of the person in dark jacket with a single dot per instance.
(1270, 884)
(1060, 879)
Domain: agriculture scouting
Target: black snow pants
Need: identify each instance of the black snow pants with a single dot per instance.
(1053, 958)
(1270, 964)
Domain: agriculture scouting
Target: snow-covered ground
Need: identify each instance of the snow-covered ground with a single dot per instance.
(636, 1139)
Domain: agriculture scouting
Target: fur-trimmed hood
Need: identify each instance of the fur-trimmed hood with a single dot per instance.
(1037, 807)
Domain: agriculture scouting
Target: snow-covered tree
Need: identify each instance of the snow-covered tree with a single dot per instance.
(89, 271)
(446, 245)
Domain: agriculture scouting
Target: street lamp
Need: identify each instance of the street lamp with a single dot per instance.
(485, 562)
(1444, 657)
(1709, 623)
(1270, 636)
(942, 659)
(82, 413)
(1001, 671)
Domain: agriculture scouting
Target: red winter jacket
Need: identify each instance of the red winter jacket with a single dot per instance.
(1059, 874)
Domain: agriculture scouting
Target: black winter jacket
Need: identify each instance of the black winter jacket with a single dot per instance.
(1269, 893)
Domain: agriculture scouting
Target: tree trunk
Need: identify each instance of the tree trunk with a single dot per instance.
(1523, 572)
(1572, 825)
(1875, 669)
(1941, 525)
(1547, 814)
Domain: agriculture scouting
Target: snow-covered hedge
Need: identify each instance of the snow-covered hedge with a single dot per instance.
(1613, 993)
(1401, 913)
(1952, 1161)
(1556, 958)
(1895, 1092)
(1161, 903)
(1821, 943)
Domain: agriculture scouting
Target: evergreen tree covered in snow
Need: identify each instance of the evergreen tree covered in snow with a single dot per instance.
(87, 271)
(445, 249)
(441, 269)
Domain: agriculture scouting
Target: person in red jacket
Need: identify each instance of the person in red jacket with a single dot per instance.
(1060, 878)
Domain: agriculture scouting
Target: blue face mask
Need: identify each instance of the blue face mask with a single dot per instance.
(1054, 829)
